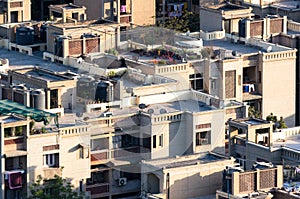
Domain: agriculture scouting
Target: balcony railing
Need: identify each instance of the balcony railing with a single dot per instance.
(98, 188)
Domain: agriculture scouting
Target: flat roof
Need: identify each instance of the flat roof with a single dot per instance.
(181, 105)
(288, 5)
(292, 142)
(250, 121)
(19, 60)
(184, 161)
(66, 6)
(43, 74)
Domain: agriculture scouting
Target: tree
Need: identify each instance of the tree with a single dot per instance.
(187, 22)
(253, 113)
(53, 188)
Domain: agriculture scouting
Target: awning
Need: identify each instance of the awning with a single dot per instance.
(10, 107)
(15, 153)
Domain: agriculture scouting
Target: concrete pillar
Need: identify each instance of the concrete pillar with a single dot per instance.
(110, 146)
(279, 176)
(247, 29)
(48, 99)
(84, 45)
(65, 48)
(284, 25)
(2, 162)
(235, 183)
(257, 179)
(118, 11)
(27, 98)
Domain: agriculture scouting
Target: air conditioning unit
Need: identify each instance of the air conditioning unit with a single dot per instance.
(122, 181)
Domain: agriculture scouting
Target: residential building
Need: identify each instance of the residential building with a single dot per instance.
(250, 184)
(121, 11)
(15, 11)
(226, 17)
(262, 8)
(67, 12)
(39, 88)
(147, 118)
(185, 176)
(253, 140)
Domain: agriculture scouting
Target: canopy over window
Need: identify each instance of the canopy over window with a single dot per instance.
(10, 107)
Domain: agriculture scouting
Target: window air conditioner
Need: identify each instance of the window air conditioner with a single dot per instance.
(122, 181)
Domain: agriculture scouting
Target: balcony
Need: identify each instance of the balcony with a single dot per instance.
(51, 172)
(98, 190)
(99, 156)
(15, 146)
(129, 152)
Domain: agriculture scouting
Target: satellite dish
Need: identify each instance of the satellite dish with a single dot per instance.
(143, 106)
(269, 49)
(79, 60)
(234, 53)
(150, 111)
(217, 52)
(162, 111)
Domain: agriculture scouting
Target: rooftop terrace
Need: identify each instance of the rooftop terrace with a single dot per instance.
(184, 161)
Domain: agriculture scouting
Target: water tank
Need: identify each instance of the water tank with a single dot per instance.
(38, 99)
(25, 36)
(58, 49)
(86, 87)
(242, 28)
(104, 91)
(43, 32)
(87, 36)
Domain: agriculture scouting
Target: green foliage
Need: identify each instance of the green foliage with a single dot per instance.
(187, 22)
(112, 51)
(277, 124)
(53, 188)
(253, 113)
(282, 124)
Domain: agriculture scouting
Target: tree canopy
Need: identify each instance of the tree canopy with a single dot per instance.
(53, 188)
(188, 21)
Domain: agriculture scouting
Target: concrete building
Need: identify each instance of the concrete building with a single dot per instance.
(121, 11)
(75, 39)
(184, 177)
(252, 140)
(120, 133)
(15, 11)
(226, 17)
(67, 12)
(250, 184)
(261, 8)
(39, 88)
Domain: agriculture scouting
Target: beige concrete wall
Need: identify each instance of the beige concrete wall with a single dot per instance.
(94, 8)
(217, 138)
(143, 12)
(70, 165)
(205, 20)
(278, 89)
(27, 10)
(195, 181)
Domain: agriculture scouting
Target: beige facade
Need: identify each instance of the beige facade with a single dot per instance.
(226, 17)
(15, 11)
(71, 39)
(55, 90)
(184, 177)
(67, 12)
(127, 11)
(256, 185)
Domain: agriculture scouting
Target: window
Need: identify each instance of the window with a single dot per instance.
(51, 160)
(81, 152)
(154, 141)
(161, 140)
(196, 81)
(54, 98)
(202, 138)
